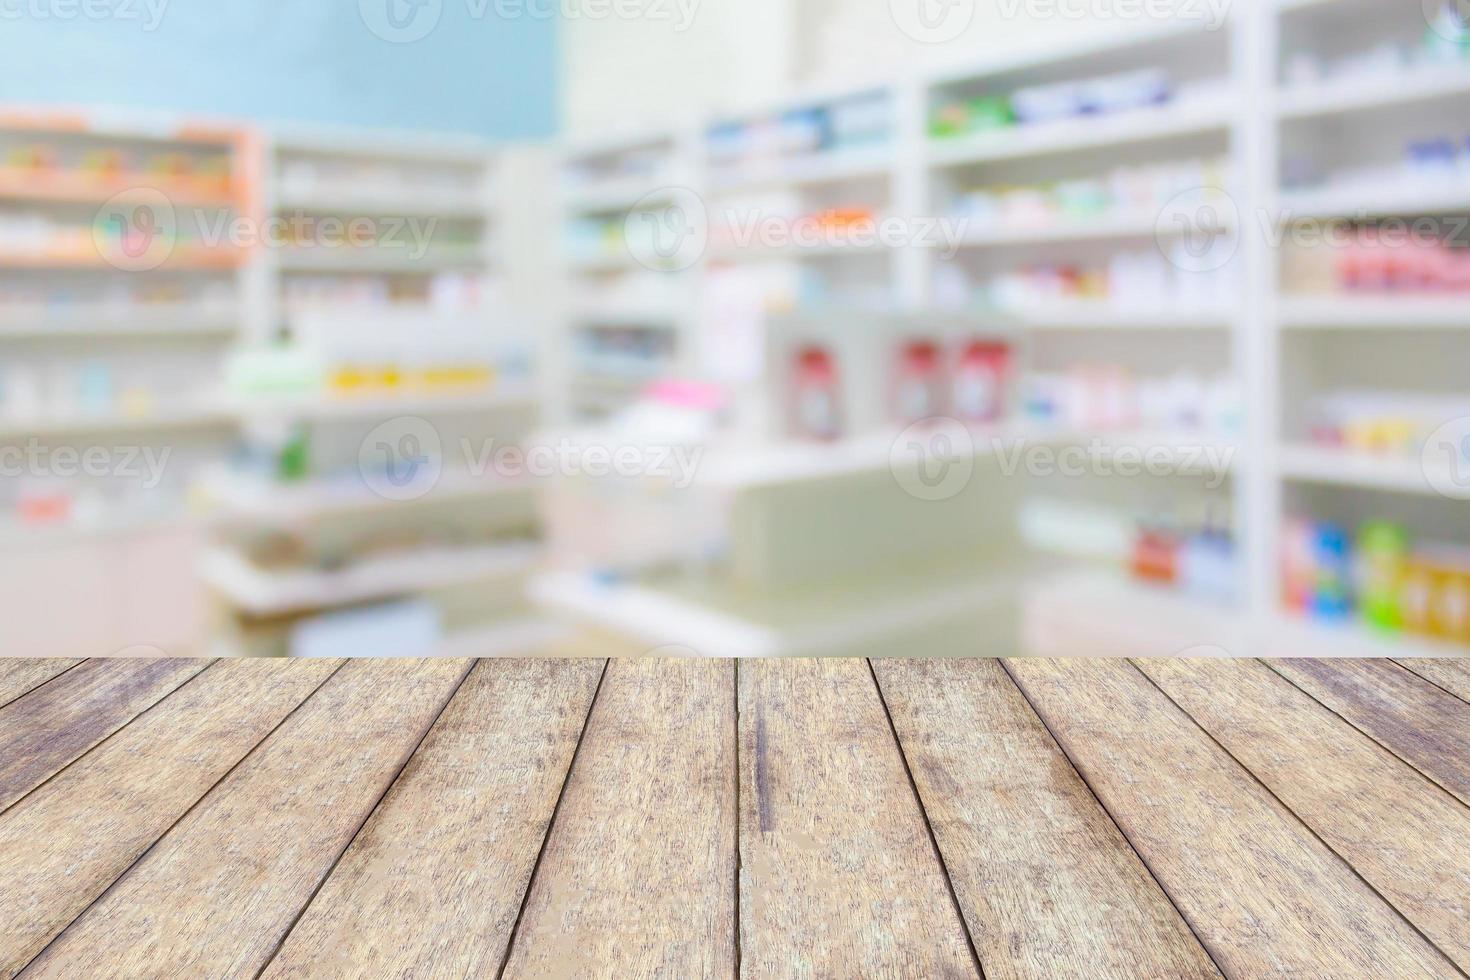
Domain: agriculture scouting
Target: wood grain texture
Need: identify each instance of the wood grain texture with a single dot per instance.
(432, 885)
(1452, 675)
(19, 675)
(838, 877)
(50, 727)
(64, 844)
(638, 874)
(1407, 715)
(215, 896)
(1406, 836)
(1266, 896)
(1048, 885)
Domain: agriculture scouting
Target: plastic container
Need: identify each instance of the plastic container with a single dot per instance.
(980, 381)
(1449, 603)
(1383, 554)
(918, 391)
(1207, 565)
(1331, 597)
(816, 395)
(1156, 555)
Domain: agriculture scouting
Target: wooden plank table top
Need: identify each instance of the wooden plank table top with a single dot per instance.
(711, 818)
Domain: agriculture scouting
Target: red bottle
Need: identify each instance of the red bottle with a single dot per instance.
(1155, 555)
(980, 381)
(816, 396)
(919, 384)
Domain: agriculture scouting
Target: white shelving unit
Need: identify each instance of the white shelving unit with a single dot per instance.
(1141, 126)
(620, 322)
(271, 593)
(115, 316)
(1322, 342)
(425, 288)
(1242, 100)
(1373, 313)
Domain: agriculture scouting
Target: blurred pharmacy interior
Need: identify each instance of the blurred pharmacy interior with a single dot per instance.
(723, 329)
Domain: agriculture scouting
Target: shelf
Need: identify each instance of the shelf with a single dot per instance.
(792, 252)
(409, 146)
(350, 317)
(262, 592)
(86, 320)
(608, 263)
(53, 424)
(248, 498)
(793, 461)
(78, 188)
(347, 259)
(1379, 200)
(714, 624)
(816, 168)
(1339, 96)
(1376, 312)
(202, 258)
(631, 370)
(1182, 442)
(1148, 224)
(1102, 315)
(591, 383)
(617, 195)
(650, 318)
(16, 535)
(1341, 467)
(1171, 121)
(744, 468)
(387, 200)
(505, 397)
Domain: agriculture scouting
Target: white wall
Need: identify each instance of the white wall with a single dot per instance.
(620, 75)
(634, 74)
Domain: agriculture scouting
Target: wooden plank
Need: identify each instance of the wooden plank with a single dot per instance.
(64, 844)
(1406, 836)
(216, 895)
(19, 675)
(52, 726)
(1265, 896)
(1047, 883)
(637, 878)
(1413, 719)
(1452, 675)
(838, 876)
(403, 902)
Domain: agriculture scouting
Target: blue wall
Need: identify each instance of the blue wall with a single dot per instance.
(291, 60)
